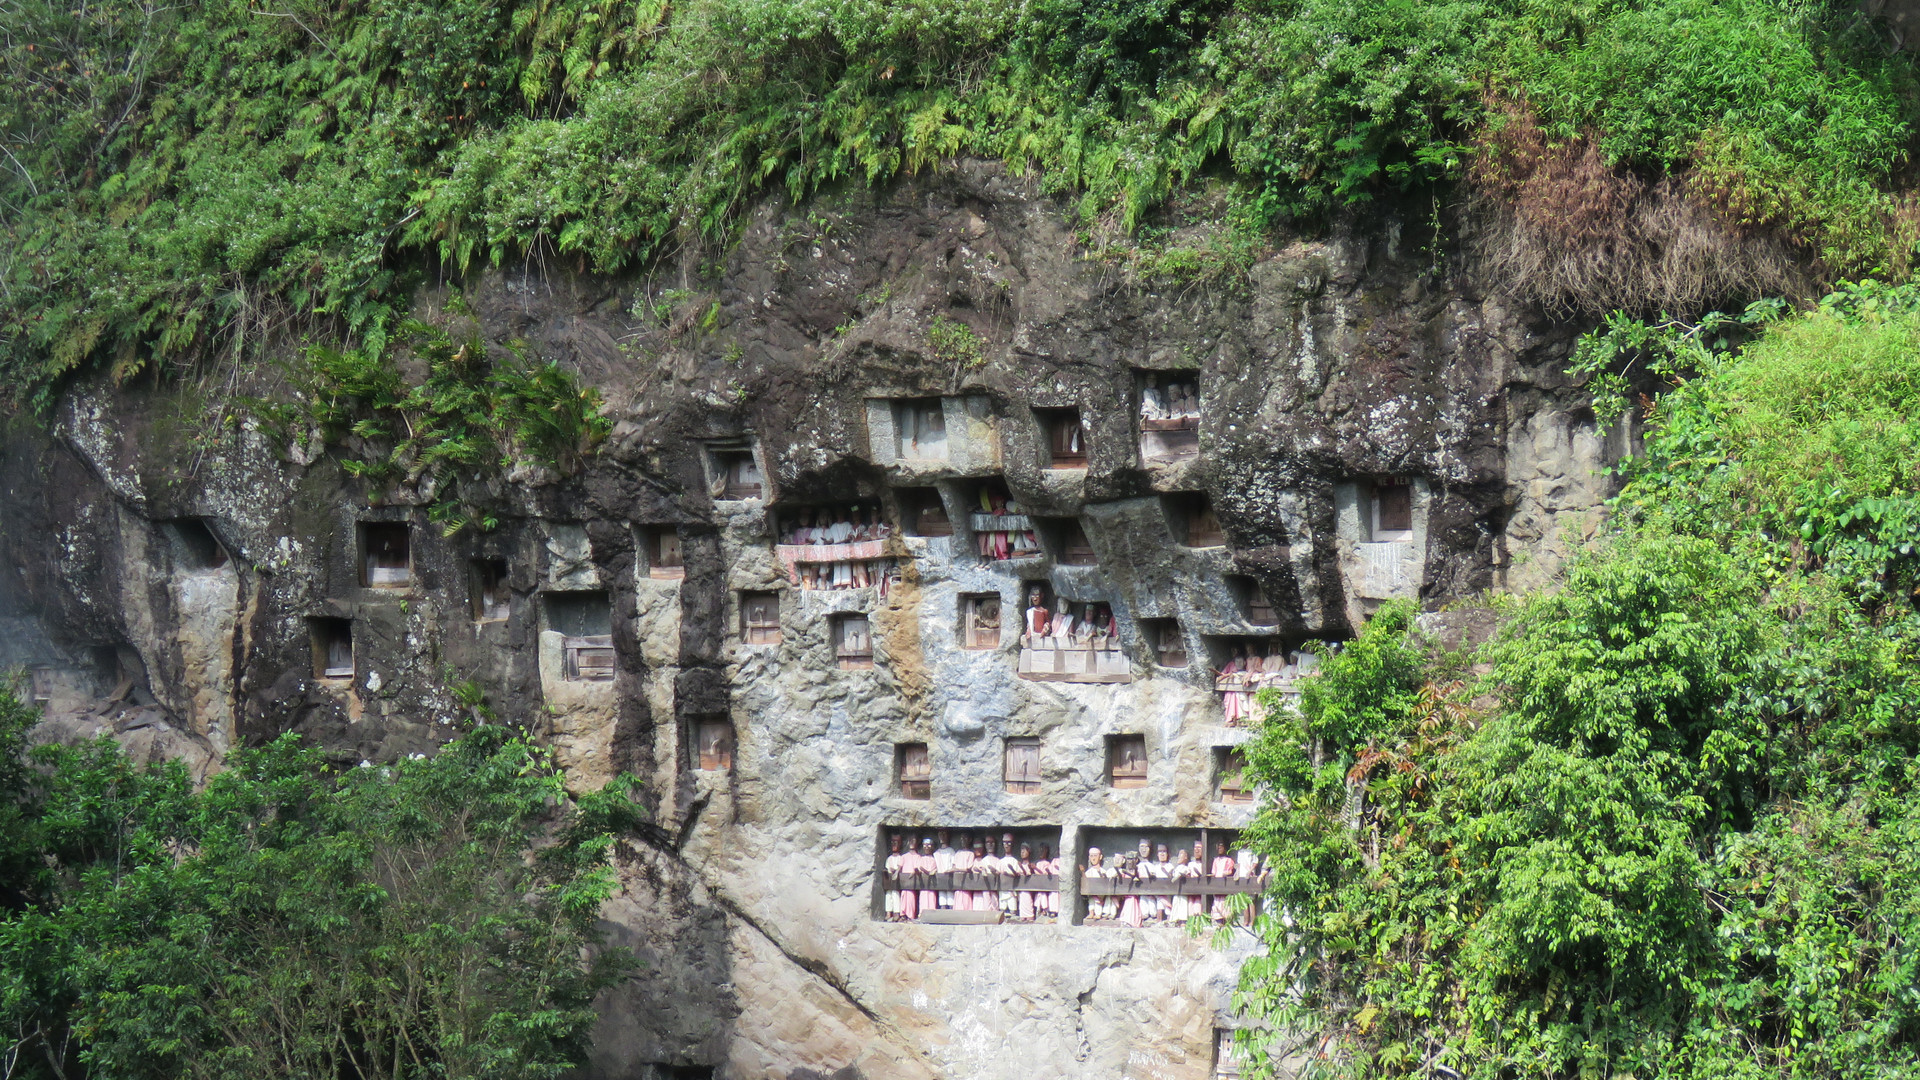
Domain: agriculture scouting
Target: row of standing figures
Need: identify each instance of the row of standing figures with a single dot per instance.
(1241, 872)
(982, 856)
(1061, 629)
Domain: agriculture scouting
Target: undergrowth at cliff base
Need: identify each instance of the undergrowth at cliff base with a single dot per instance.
(178, 179)
(1674, 832)
(432, 917)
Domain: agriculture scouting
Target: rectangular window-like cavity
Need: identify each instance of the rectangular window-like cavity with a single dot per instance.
(332, 647)
(492, 600)
(852, 642)
(1066, 438)
(760, 618)
(1169, 414)
(40, 683)
(713, 743)
(1020, 766)
(585, 619)
(660, 548)
(385, 556)
(1168, 643)
(980, 621)
(1243, 666)
(193, 544)
(1069, 542)
(1230, 782)
(1254, 605)
(1065, 640)
(1191, 520)
(1001, 527)
(913, 769)
(732, 471)
(922, 513)
(1226, 1058)
(1127, 761)
(1392, 509)
(1164, 877)
(978, 875)
(920, 429)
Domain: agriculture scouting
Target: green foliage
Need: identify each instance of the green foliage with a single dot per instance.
(428, 918)
(954, 342)
(471, 416)
(180, 179)
(1672, 834)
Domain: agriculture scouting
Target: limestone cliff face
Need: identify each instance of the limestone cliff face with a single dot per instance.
(192, 587)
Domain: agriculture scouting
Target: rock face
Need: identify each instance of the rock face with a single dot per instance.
(1367, 430)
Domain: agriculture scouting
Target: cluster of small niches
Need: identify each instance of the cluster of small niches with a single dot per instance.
(583, 618)
(1167, 419)
(1126, 765)
(1120, 877)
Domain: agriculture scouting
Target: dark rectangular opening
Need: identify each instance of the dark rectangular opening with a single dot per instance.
(734, 472)
(1066, 438)
(1230, 782)
(1393, 506)
(492, 599)
(1001, 527)
(660, 548)
(914, 770)
(1069, 541)
(40, 683)
(1226, 1057)
(1169, 400)
(852, 642)
(713, 743)
(980, 621)
(920, 429)
(1169, 414)
(1127, 761)
(1020, 770)
(585, 619)
(760, 618)
(332, 647)
(386, 558)
(579, 614)
(922, 513)
(1168, 643)
(193, 544)
(1254, 605)
(1191, 520)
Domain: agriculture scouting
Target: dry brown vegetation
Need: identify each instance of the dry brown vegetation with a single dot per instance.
(1563, 227)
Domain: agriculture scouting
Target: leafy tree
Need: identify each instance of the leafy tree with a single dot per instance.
(429, 918)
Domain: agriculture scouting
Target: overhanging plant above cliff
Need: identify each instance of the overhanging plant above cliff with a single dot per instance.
(473, 419)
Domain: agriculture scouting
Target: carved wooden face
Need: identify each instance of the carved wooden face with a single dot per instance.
(1094, 856)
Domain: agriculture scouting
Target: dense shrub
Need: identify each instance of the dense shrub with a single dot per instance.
(1675, 834)
(427, 918)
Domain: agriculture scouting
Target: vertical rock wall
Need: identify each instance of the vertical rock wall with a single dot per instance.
(1329, 372)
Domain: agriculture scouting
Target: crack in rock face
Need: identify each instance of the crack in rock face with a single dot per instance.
(914, 526)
